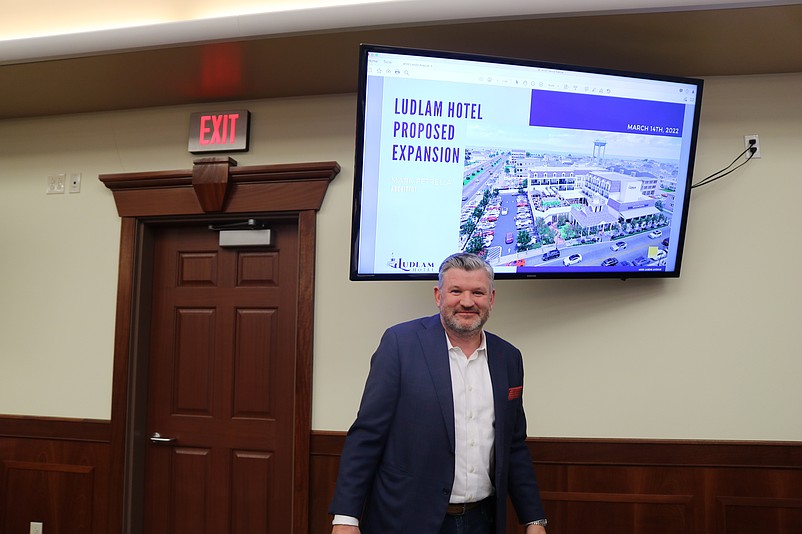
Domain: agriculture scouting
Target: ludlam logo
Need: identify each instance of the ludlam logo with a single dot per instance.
(410, 266)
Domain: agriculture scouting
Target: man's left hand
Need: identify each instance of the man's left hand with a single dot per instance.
(535, 529)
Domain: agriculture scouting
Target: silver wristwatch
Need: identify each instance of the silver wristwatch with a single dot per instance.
(539, 522)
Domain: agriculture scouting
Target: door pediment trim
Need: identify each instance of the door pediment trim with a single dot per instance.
(217, 185)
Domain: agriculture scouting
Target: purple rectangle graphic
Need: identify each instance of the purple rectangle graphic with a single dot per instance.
(554, 109)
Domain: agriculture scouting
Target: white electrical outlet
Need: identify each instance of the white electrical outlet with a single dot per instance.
(55, 184)
(747, 144)
(37, 527)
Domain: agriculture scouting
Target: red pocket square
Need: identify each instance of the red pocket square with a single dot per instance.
(515, 393)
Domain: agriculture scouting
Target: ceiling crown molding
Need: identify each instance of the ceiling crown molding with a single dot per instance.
(370, 14)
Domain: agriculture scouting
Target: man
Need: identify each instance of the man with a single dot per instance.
(439, 441)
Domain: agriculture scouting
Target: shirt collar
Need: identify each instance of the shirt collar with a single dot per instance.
(481, 349)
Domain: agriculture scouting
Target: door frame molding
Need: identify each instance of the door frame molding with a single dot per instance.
(214, 190)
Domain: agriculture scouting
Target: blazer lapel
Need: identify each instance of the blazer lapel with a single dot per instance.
(435, 353)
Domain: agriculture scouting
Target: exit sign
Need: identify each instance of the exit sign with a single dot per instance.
(219, 131)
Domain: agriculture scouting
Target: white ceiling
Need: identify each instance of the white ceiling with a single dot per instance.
(236, 58)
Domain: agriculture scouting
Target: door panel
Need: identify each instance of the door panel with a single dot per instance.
(221, 384)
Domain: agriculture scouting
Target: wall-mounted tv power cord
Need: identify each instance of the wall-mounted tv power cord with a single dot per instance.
(751, 149)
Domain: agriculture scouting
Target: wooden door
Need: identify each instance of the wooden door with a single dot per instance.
(221, 384)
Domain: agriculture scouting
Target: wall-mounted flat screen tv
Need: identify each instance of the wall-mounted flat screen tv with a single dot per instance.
(546, 170)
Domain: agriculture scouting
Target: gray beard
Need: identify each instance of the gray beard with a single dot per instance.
(455, 326)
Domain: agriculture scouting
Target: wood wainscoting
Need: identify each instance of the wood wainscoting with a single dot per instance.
(57, 472)
(62, 473)
(604, 486)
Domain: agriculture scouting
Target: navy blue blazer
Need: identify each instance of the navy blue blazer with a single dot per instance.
(397, 466)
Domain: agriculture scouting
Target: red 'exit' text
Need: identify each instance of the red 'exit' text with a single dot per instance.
(218, 129)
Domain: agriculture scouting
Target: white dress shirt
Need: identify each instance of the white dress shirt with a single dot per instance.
(474, 420)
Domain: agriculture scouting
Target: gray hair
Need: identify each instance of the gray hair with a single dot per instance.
(466, 262)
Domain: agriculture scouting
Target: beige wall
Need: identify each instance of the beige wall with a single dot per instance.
(711, 355)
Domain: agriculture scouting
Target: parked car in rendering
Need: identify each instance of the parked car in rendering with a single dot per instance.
(654, 234)
(618, 245)
(550, 255)
(572, 259)
(610, 262)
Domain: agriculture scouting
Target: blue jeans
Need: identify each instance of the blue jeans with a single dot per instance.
(479, 520)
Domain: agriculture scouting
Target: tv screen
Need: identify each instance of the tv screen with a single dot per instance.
(546, 170)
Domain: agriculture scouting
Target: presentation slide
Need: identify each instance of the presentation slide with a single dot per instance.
(531, 178)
